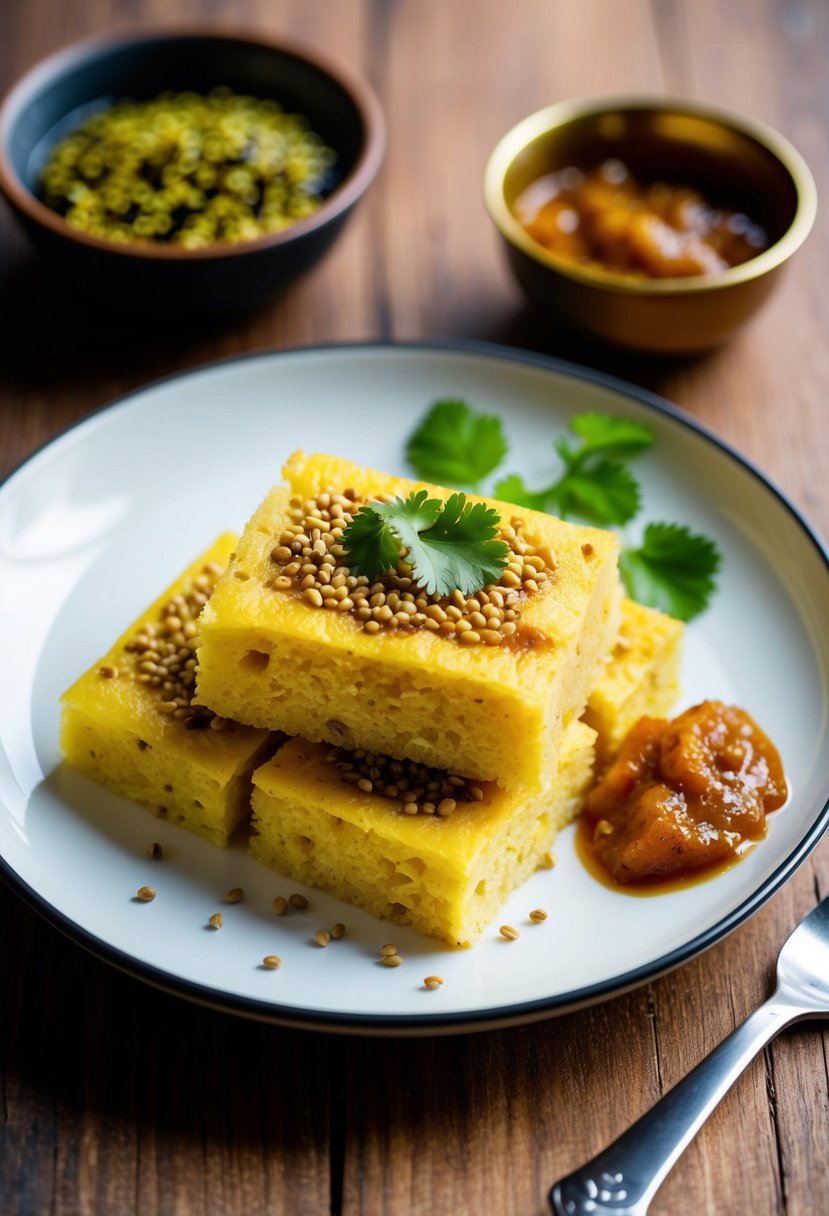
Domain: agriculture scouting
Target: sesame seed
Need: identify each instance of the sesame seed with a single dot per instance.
(322, 937)
(271, 962)
(508, 932)
(234, 895)
(538, 915)
(145, 894)
(433, 981)
(280, 905)
(216, 920)
(154, 851)
(298, 901)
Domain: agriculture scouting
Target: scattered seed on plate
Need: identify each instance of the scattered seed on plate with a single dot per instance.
(234, 895)
(338, 930)
(433, 981)
(538, 915)
(322, 937)
(271, 961)
(509, 933)
(388, 950)
(548, 861)
(298, 901)
(216, 920)
(154, 851)
(145, 894)
(280, 905)
(391, 960)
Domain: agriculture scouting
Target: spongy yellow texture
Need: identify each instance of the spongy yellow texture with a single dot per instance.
(492, 713)
(642, 676)
(445, 877)
(112, 730)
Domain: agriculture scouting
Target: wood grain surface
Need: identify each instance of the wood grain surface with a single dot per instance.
(117, 1099)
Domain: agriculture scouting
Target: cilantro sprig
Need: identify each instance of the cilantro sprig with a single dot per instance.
(595, 484)
(448, 545)
(673, 569)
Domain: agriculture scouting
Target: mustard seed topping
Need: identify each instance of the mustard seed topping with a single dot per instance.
(162, 654)
(312, 564)
(416, 789)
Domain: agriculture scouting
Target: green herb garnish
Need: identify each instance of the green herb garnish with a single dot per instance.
(673, 570)
(595, 484)
(448, 545)
(455, 446)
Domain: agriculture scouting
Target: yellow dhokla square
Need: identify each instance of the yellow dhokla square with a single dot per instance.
(495, 712)
(122, 726)
(446, 877)
(641, 678)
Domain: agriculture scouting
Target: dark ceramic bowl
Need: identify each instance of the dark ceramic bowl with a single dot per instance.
(55, 96)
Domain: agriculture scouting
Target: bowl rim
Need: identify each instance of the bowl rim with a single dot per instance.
(561, 113)
(83, 51)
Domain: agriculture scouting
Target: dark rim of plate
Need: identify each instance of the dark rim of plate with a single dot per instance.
(479, 1019)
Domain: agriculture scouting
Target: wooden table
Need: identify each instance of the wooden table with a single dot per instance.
(118, 1099)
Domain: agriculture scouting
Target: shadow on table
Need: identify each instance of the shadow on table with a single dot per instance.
(54, 335)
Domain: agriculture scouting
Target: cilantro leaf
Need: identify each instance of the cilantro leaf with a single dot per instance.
(606, 435)
(371, 548)
(672, 570)
(455, 446)
(513, 489)
(448, 545)
(606, 493)
(460, 549)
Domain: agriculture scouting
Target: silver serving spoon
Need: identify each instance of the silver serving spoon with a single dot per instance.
(622, 1180)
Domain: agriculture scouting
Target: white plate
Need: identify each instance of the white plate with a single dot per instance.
(95, 525)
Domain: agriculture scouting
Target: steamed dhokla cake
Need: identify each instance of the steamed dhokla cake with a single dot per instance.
(418, 846)
(483, 684)
(130, 724)
(642, 677)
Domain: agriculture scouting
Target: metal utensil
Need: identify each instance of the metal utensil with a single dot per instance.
(622, 1180)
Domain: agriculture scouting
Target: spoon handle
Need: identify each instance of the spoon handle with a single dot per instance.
(622, 1180)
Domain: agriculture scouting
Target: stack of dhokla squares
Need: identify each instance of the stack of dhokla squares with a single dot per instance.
(438, 742)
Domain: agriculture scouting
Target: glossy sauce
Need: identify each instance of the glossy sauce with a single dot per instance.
(684, 798)
(604, 217)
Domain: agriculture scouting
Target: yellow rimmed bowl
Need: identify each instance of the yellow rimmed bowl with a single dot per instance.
(726, 155)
